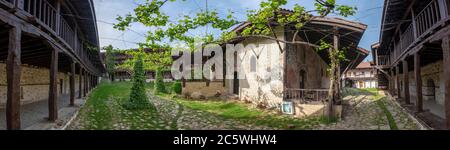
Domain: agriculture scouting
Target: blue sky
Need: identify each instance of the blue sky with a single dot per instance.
(369, 12)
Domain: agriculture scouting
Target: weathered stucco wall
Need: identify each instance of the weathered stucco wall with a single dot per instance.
(34, 84)
(265, 85)
(196, 89)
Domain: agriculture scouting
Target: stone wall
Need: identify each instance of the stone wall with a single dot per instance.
(431, 72)
(34, 84)
(197, 89)
(304, 58)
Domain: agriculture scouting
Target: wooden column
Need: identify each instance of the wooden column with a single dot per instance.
(406, 81)
(446, 51)
(53, 88)
(58, 17)
(391, 82)
(90, 82)
(418, 77)
(80, 83)
(72, 84)
(399, 91)
(84, 83)
(13, 75)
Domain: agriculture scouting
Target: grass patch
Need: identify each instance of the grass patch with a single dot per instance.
(380, 100)
(382, 104)
(104, 110)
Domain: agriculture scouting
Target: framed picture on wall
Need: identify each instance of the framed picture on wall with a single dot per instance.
(287, 108)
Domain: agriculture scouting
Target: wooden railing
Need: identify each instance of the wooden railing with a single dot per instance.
(383, 60)
(48, 17)
(43, 12)
(306, 95)
(428, 17)
(422, 24)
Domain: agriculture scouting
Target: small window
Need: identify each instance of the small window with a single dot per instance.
(253, 64)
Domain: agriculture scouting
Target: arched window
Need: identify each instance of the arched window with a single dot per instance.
(303, 79)
(253, 64)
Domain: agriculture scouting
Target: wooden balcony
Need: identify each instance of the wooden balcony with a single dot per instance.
(304, 96)
(49, 18)
(422, 25)
(383, 60)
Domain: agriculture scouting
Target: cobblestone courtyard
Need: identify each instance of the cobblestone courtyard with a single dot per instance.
(363, 110)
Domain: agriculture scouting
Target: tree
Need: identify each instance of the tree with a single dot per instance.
(110, 61)
(159, 82)
(261, 25)
(138, 98)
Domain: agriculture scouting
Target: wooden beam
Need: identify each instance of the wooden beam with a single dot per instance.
(80, 83)
(406, 81)
(72, 84)
(446, 52)
(53, 88)
(418, 77)
(13, 80)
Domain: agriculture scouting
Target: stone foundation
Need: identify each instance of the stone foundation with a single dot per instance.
(35, 84)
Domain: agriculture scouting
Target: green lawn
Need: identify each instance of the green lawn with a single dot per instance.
(104, 111)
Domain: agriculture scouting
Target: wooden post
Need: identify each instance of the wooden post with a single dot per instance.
(399, 91)
(446, 51)
(406, 81)
(58, 17)
(20, 4)
(80, 83)
(414, 24)
(72, 84)
(84, 83)
(391, 82)
(418, 77)
(13, 68)
(53, 88)
(443, 10)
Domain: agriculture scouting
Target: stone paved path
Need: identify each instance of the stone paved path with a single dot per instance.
(187, 119)
(361, 112)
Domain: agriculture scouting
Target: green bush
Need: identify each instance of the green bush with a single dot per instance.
(138, 98)
(177, 87)
(159, 82)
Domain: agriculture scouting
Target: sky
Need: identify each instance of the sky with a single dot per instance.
(369, 12)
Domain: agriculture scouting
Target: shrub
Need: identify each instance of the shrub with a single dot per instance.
(177, 87)
(159, 82)
(138, 98)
